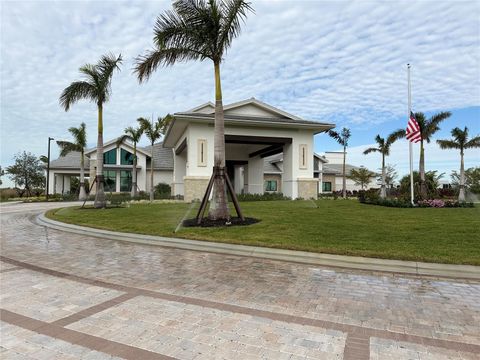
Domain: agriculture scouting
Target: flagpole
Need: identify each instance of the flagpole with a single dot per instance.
(410, 143)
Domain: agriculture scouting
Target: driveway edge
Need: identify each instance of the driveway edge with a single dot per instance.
(350, 262)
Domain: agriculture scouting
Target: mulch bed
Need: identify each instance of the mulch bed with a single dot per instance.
(234, 221)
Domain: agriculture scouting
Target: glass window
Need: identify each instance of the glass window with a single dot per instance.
(110, 180)
(125, 180)
(271, 185)
(126, 158)
(110, 157)
(327, 186)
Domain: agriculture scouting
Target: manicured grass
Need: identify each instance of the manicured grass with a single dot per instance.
(336, 227)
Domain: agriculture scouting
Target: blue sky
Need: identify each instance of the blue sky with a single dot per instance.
(335, 61)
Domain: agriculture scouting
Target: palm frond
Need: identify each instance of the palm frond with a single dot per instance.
(146, 64)
(121, 139)
(76, 91)
(473, 143)
(370, 150)
(432, 124)
(67, 147)
(394, 136)
(380, 141)
(234, 14)
(106, 66)
(448, 144)
(79, 135)
(134, 133)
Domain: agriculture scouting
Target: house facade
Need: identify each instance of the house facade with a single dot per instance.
(332, 174)
(266, 149)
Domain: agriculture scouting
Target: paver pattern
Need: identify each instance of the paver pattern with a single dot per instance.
(322, 313)
(22, 344)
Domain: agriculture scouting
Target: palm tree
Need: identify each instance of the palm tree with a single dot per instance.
(96, 88)
(342, 139)
(383, 147)
(460, 141)
(428, 127)
(199, 30)
(79, 144)
(153, 131)
(134, 135)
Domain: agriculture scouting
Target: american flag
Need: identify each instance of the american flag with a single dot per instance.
(413, 129)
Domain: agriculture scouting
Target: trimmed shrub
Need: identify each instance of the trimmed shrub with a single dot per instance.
(162, 191)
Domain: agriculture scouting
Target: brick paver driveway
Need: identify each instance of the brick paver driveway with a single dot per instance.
(66, 296)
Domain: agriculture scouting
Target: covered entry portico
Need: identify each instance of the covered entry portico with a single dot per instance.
(253, 131)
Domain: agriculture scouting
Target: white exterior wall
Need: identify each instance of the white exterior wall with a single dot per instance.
(159, 176)
(194, 133)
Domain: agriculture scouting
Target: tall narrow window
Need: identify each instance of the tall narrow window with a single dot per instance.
(303, 156)
(202, 152)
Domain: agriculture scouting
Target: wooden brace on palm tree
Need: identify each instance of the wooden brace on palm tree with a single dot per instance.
(218, 172)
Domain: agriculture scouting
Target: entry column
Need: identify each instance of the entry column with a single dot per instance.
(255, 175)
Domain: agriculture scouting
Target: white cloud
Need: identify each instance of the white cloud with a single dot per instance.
(326, 60)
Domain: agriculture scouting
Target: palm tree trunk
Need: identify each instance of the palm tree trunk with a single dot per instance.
(218, 206)
(82, 194)
(100, 193)
(151, 176)
(461, 194)
(421, 169)
(383, 191)
(344, 180)
(133, 192)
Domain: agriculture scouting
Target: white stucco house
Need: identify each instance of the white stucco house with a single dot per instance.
(332, 174)
(267, 150)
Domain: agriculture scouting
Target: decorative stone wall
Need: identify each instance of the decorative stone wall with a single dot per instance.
(307, 188)
(194, 187)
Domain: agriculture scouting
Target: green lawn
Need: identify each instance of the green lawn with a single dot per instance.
(335, 227)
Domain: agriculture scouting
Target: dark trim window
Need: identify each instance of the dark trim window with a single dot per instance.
(271, 185)
(110, 157)
(110, 180)
(327, 186)
(125, 180)
(126, 158)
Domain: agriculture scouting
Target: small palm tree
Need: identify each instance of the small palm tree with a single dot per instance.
(134, 135)
(199, 30)
(383, 147)
(428, 127)
(342, 138)
(79, 144)
(96, 88)
(153, 131)
(460, 141)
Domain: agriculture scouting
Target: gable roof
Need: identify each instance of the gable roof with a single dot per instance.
(268, 110)
(162, 157)
(71, 161)
(125, 142)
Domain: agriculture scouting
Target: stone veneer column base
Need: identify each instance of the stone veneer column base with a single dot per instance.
(194, 187)
(307, 188)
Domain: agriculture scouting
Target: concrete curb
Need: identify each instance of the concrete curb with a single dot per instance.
(350, 262)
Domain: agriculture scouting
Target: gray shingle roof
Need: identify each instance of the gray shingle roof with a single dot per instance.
(162, 157)
(70, 161)
(337, 169)
(269, 164)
